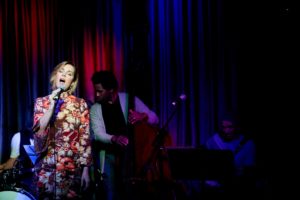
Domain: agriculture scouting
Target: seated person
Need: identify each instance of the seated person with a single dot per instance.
(16, 149)
(230, 137)
(19, 159)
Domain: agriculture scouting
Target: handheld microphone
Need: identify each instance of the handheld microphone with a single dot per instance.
(61, 89)
(58, 103)
(182, 97)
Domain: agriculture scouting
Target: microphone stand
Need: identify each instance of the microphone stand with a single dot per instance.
(55, 112)
(57, 105)
(159, 139)
(157, 152)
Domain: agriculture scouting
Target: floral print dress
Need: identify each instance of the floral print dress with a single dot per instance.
(64, 148)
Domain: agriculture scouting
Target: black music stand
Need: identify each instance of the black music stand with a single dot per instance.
(193, 167)
(200, 164)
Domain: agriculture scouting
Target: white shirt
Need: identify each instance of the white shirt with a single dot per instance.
(15, 145)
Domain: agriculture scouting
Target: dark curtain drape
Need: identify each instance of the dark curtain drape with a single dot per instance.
(191, 53)
(159, 49)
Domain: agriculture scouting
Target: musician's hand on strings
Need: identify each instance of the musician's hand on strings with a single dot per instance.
(135, 117)
(120, 140)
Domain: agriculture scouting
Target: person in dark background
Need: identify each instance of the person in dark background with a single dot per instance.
(110, 116)
(25, 137)
(18, 168)
(230, 137)
(62, 138)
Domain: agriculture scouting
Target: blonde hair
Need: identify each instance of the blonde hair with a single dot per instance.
(74, 83)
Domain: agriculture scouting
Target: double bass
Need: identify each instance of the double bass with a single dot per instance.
(151, 167)
(150, 156)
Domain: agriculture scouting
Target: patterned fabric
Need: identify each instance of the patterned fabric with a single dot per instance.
(63, 148)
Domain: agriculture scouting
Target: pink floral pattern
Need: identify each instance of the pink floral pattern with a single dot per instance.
(64, 148)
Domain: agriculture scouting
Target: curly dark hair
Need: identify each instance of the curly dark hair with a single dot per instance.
(106, 78)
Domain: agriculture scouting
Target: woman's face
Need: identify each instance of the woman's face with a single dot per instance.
(65, 76)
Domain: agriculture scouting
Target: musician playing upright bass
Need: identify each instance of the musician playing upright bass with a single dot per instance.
(110, 118)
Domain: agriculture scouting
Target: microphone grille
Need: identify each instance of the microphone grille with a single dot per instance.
(62, 87)
(182, 97)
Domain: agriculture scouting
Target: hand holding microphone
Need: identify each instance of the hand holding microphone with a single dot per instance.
(56, 93)
(55, 102)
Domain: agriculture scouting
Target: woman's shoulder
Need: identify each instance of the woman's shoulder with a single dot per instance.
(42, 99)
(78, 99)
(74, 98)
